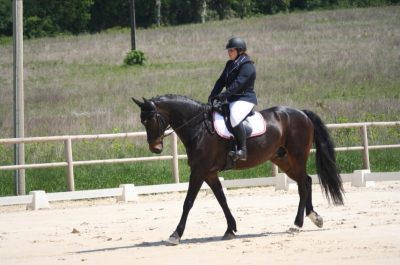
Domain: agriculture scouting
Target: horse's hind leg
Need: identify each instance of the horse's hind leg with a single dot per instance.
(309, 206)
(296, 170)
(310, 213)
(303, 193)
(216, 187)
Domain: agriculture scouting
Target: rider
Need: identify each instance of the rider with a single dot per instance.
(238, 78)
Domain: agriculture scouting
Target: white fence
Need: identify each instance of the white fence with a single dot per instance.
(128, 192)
(69, 163)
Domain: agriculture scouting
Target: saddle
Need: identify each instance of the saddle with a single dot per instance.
(254, 123)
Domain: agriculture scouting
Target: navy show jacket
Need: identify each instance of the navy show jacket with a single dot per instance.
(238, 77)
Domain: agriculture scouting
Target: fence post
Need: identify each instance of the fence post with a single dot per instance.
(275, 170)
(70, 166)
(364, 136)
(175, 165)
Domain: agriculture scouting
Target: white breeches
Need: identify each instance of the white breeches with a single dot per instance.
(239, 110)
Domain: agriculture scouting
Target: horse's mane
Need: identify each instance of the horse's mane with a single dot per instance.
(194, 104)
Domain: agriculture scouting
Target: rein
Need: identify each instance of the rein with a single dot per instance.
(181, 126)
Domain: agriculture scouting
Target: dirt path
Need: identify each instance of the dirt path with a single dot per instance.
(364, 231)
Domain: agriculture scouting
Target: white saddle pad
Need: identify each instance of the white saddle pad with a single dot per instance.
(256, 121)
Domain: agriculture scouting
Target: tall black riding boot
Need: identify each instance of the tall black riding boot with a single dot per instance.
(240, 134)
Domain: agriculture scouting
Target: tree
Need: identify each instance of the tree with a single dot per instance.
(181, 11)
(243, 8)
(272, 6)
(222, 7)
(5, 18)
(107, 14)
(48, 17)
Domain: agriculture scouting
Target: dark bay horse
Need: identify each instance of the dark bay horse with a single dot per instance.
(287, 142)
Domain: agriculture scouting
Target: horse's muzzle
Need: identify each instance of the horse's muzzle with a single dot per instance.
(156, 147)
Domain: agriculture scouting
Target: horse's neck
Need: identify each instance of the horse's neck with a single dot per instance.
(179, 113)
(184, 118)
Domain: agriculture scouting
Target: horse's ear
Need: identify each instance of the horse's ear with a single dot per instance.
(149, 102)
(140, 104)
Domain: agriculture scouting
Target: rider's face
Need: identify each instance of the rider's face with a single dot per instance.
(232, 53)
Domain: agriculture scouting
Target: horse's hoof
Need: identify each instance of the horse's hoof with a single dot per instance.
(293, 230)
(316, 219)
(228, 236)
(174, 239)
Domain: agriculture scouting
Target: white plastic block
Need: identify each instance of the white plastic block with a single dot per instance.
(370, 184)
(129, 193)
(222, 183)
(282, 182)
(293, 186)
(39, 200)
(358, 178)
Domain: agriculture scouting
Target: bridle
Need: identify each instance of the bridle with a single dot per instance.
(162, 124)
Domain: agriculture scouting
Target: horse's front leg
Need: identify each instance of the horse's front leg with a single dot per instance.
(216, 187)
(195, 183)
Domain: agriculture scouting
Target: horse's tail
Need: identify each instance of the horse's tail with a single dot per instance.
(326, 162)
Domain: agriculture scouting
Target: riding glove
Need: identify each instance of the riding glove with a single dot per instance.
(222, 96)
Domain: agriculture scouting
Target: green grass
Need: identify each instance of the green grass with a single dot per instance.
(341, 64)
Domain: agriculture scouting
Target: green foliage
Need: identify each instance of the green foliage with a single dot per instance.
(272, 6)
(134, 57)
(73, 15)
(244, 8)
(36, 27)
(107, 14)
(180, 11)
(50, 17)
(365, 3)
(312, 4)
(5, 18)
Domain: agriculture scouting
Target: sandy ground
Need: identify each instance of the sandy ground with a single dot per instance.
(364, 231)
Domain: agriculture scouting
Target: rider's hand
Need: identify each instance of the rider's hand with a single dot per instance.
(211, 100)
(222, 97)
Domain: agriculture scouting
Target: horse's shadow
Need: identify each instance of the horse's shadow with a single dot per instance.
(202, 240)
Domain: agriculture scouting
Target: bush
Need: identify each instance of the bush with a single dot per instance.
(36, 27)
(134, 57)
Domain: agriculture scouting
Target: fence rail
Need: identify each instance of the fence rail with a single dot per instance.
(174, 156)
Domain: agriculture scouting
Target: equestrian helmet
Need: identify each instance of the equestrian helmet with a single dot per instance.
(237, 43)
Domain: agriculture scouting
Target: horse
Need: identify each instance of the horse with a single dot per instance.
(289, 136)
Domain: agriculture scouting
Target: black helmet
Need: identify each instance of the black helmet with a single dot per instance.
(236, 42)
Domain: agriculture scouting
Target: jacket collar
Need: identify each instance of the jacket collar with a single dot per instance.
(242, 59)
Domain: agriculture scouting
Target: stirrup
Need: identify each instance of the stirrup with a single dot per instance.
(238, 155)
